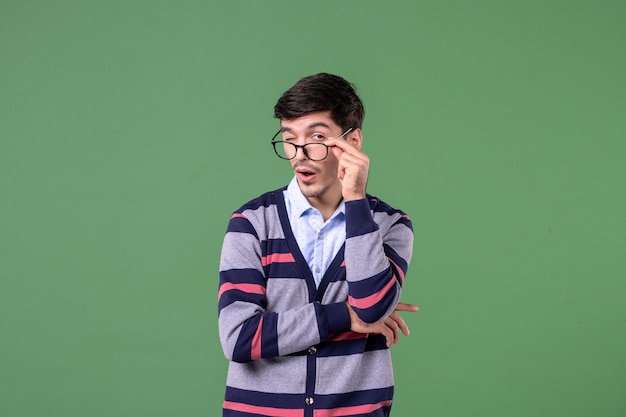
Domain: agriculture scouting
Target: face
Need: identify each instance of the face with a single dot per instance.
(317, 179)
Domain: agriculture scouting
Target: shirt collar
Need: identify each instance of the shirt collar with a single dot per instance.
(300, 205)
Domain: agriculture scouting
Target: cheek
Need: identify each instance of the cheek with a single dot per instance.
(331, 167)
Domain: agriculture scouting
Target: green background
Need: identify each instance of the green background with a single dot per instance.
(130, 130)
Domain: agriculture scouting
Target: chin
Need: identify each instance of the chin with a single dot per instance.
(311, 191)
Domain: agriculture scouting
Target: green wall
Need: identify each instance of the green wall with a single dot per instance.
(130, 130)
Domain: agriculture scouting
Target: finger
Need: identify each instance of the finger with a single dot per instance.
(356, 164)
(388, 333)
(344, 146)
(396, 334)
(407, 307)
(340, 143)
(389, 324)
(336, 150)
(403, 326)
(355, 171)
(356, 160)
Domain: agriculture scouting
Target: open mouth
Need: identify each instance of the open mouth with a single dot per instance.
(305, 174)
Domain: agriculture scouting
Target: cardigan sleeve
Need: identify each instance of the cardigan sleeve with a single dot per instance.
(377, 252)
(247, 330)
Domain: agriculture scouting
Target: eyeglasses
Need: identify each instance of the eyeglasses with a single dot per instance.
(314, 151)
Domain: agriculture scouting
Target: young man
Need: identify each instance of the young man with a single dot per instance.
(311, 274)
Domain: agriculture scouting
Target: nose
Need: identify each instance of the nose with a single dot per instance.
(300, 155)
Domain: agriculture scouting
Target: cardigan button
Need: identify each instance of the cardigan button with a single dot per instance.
(312, 350)
(309, 401)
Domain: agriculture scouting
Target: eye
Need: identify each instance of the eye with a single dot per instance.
(318, 137)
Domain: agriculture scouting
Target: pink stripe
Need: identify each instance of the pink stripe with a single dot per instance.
(256, 341)
(346, 336)
(238, 215)
(343, 264)
(277, 257)
(350, 411)
(263, 411)
(400, 271)
(371, 300)
(249, 288)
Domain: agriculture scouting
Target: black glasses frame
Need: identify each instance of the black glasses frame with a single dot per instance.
(303, 147)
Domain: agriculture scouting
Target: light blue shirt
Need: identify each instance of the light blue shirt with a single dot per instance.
(319, 241)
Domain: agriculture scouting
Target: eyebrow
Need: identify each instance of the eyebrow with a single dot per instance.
(309, 127)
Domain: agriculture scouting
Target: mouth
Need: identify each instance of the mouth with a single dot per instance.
(305, 174)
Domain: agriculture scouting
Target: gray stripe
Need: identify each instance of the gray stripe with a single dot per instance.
(298, 330)
(286, 293)
(263, 217)
(360, 262)
(369, 370)
(335, 292)
(236, 253)
(401, 239)
(230, 323)
(284, 375)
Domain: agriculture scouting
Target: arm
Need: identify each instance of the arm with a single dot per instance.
(377, 258)
(247, 330)
(377, 251)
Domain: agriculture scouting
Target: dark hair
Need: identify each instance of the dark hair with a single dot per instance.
(322, 92)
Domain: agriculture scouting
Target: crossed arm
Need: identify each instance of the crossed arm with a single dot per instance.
(390, 327)
(353, 173)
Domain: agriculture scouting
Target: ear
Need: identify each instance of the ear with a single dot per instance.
(355, 138)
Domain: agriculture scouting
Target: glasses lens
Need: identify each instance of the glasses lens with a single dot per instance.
(284, 150)
(316, 151)
(313, 151)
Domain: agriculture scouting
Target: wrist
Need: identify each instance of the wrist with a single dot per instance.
(354, 196)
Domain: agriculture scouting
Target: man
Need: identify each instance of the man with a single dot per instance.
(311, 274)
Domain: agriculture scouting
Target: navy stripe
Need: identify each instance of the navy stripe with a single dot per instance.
(232, 296)
(279, 270)
(264, 399)
(398, 260)
(243, 347)
(371, 285)
(356, 398)
(271, 246)
(269, 337)
(301, 263)
(241, 225)
(311, 373)
(351, 347)
(241, 276)
(335, 272)
(359, 219)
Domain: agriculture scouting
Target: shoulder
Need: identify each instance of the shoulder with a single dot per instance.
(260, 216)
(379, 206)
(255, 216)
(387, 214)
(265, 201)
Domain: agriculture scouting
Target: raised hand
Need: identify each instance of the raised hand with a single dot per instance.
(353, 167)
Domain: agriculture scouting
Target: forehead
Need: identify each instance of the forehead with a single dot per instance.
(309, 121)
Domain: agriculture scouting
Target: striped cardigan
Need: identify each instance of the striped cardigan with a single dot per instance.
(289, 344)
